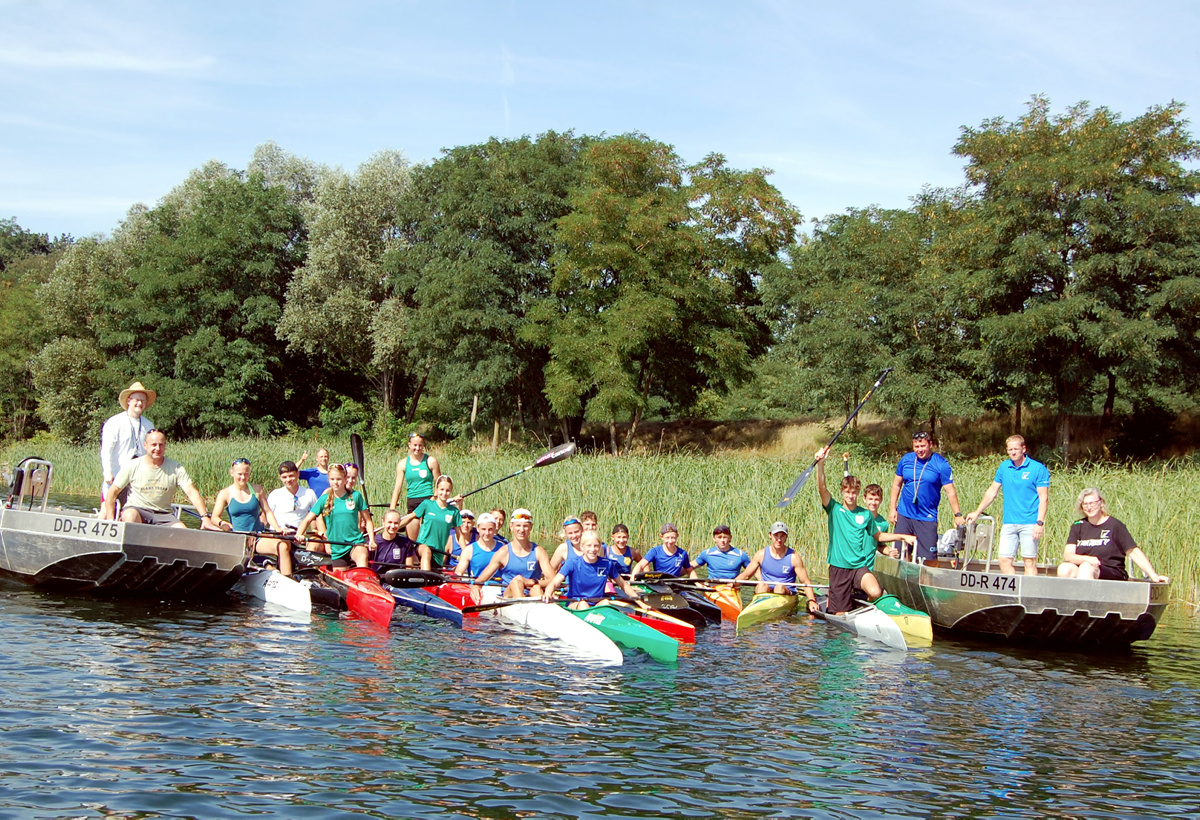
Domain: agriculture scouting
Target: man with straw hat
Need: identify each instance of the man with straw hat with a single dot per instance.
(123, 436)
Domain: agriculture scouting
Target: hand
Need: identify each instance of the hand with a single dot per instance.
(892, 517)
(813, 606)
(821, 454)
(971, 517)
(304, 456)
(1160, 579)
(1038, 529)
(891, 552)
(911, 540)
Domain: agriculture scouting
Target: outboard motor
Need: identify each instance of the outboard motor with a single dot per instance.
(31, 479)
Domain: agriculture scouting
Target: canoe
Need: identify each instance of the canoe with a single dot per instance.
(868, 622)
(424, 602)
(274, 587)
(671, 603)
(556, 623)
(916, 625)
(728, 599)
(361, 592)
(629, 633)
(766, 606)
(681, 631)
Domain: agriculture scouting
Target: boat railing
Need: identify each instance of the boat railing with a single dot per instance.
(980, 539)
(30, 484)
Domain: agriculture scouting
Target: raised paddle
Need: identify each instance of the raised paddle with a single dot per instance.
(799, 482)
(356, 455)
(547, 458)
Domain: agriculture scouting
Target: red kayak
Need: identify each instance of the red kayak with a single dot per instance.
(681, 631)
(361, 592)
(456, 594)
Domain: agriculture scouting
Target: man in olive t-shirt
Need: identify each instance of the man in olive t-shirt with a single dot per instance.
(152, 480)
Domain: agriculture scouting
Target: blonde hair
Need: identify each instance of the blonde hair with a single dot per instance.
(1084, 493)
(328, 508)
(1014, 437)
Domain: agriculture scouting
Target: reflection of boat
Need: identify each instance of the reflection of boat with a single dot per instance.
(975, 599)
(70, 550)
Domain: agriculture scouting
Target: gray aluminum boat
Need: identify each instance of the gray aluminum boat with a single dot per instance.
(976, 600)
(74, 551)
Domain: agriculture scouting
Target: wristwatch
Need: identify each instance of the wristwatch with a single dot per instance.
(1040, 523)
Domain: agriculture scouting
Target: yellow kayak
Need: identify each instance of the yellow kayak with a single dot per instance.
(766, 606)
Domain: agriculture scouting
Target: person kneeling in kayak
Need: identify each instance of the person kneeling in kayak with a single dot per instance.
(347, 520)
(588, 574)
(780, 568)
(521, 563)
(854, 536)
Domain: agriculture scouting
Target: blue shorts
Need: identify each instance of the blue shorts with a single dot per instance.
(1013, 534)
(927, 536)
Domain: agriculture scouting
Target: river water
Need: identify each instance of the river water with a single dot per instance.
(233, 709)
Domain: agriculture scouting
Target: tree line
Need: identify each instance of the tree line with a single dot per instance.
(541, 282)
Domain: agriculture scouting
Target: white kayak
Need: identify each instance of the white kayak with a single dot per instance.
(556, 623)
(274, 587)
(868, 622)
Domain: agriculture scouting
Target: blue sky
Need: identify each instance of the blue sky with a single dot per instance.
(106, 104)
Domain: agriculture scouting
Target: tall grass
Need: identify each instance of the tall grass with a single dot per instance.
(696, 492)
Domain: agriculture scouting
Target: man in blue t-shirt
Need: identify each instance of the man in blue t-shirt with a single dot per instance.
(724, 561)
(1026, 486)
(921, 476)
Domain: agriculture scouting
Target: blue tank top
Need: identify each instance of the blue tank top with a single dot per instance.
(625, 561)
(527, 567)
(480, 558)
(778, 570)
(244, 515)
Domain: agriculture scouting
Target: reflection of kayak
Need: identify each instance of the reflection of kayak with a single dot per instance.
(671, 603)
(766, 606)
(710, 611)
(867, 621)
(274, 587)
(555, 622)
(629, 633)
(361, 592)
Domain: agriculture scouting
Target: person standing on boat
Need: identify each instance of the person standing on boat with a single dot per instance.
(854, 537)
(724, 561)
(152, 480)
(1026, 487)
(780, 568)
(1098, 545)
(317, 478)
(522, 564)
(666, 558)
(347, 521)
(588, 574)
(417, 472)
(921, 477)
(246, 514)
(123, 435)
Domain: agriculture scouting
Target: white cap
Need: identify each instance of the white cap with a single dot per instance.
(778, 526)
(486, 518)
(467, 514)
(521, 512)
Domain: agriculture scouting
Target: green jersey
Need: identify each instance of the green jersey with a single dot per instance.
(851, 536)
(436, 523)
(341, 524)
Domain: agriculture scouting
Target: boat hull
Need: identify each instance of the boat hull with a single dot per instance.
(361, 593)
(1042, 610)
(868, 622)
(729, 601)
(424, 602)
(274, 587)
(764, 607)
(74, 552)
(630, 633)
(556, 623)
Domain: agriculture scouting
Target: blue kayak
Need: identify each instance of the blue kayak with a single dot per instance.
(425, 603)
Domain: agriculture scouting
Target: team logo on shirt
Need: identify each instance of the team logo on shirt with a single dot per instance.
(350, 503)
(422, 473)
(1025, 476)
(449, 517)
(860, 519)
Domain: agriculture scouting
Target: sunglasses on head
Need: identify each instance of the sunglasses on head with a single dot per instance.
(238, 461)
(921, 436)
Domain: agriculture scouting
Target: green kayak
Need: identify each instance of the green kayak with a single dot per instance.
(626, 632)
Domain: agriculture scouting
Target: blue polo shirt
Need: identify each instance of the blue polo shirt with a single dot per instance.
(1020, 486)
(921, 491)
(722, 566)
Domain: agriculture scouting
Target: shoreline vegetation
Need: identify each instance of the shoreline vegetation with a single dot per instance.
(696, 491)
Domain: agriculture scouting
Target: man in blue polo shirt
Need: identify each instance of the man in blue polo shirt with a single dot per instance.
(1026, 486)
(921, 478)
(724, 561)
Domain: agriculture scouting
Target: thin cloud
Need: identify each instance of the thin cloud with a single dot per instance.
(97, 60)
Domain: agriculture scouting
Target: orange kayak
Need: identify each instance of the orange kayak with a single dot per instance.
(728, 599)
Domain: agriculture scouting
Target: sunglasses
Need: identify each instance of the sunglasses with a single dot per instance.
(921, 436)
(238, 461)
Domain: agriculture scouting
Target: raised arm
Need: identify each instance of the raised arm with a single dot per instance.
(821, 488)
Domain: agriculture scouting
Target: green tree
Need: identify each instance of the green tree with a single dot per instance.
(1081, 228)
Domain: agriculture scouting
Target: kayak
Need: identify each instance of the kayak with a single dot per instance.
(681, 631)
(556, 623)
(274, 587)
(766, 606)
(456, 594)
(916, 625)
(629, 633)
(361, 592)
(867, 621)
(728, 599)
(671, 603)
(710, 611)
(424, 602)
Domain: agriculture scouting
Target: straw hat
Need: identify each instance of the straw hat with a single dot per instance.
(136, 387)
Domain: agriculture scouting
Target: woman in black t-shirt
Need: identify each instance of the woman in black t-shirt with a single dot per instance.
(1098, 545)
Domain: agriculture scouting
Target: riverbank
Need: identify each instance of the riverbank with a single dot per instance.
(695, 492)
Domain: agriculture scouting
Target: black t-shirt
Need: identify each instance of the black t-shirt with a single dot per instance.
(1109, 542)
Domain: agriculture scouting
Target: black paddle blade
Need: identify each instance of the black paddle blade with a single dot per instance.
(797, 485)
(357, 456)
(557, 454)
(409, 578)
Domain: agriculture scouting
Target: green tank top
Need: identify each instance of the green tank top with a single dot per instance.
(418, 478)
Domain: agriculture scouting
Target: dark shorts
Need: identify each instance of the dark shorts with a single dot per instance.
(926, 532)
(842, 585)
(1109, 574)
(152, 517)
(413, 503)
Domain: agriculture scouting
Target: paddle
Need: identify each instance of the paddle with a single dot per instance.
(799, 482)
(356, 455)
(547, 458)
(511, 601)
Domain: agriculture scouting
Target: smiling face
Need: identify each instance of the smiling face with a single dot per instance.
(351, 477)
(241, 475)
(850, 497)
(487, 531)
(323, 458)
(872, 501)
(922, 447)
(620, 540)
(337, 480)
(391, 525)
(589, 545)
(156, 445)
(135, 405)
(416, 447)
(444, 490)
(573, 532)
(520, 529)
(290, 479)
(670, 538)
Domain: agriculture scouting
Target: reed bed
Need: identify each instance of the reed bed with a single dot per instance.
(696, 492)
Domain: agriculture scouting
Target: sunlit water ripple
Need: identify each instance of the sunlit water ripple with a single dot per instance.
(144, 709)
